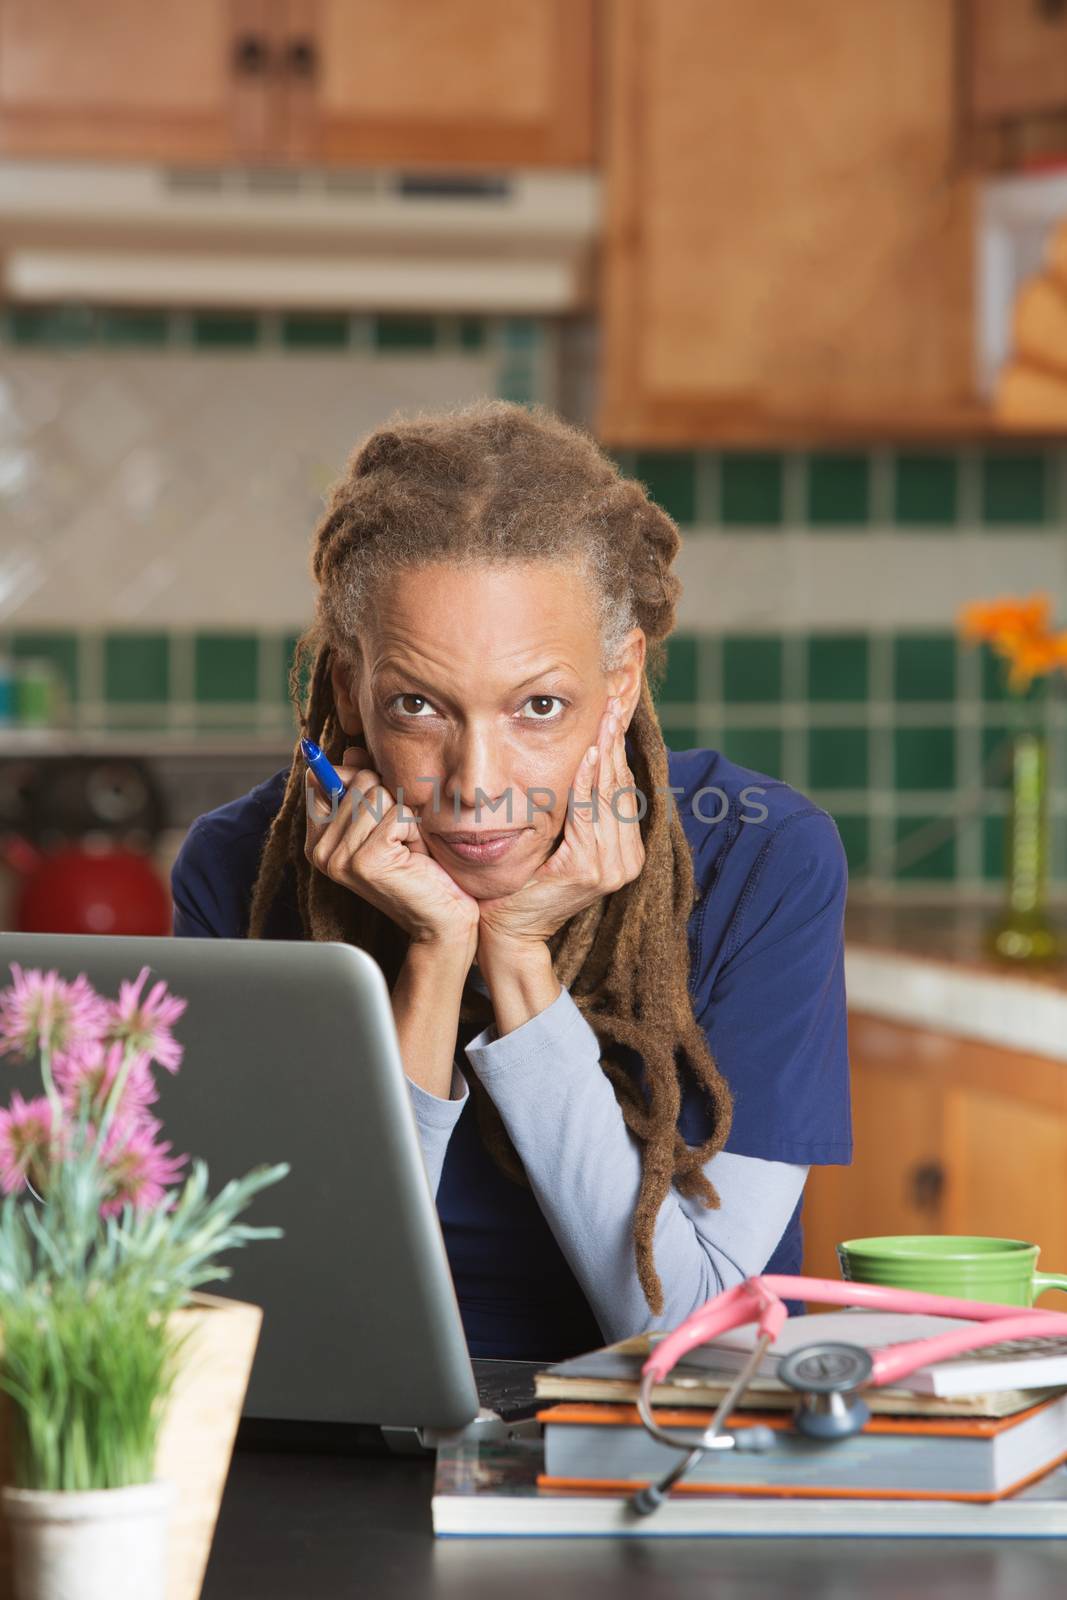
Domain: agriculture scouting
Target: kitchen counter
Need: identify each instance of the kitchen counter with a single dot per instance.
(923, 963)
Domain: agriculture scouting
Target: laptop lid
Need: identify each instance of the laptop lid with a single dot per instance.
(291, 1054)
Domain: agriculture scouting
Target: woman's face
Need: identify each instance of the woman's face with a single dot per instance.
(487, 680)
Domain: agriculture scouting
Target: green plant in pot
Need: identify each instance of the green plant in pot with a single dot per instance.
(101, 1243)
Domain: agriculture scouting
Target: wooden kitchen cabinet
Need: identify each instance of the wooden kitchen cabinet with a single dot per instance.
(894, 1183)
(1015, 57)
(1013, 81)
(485, 82)
(951, 1135)
(489, 82)
(788, 248)
(119, 79)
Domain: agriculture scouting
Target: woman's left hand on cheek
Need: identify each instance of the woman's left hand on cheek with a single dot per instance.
(600, 850)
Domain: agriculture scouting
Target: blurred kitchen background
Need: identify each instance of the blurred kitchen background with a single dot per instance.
(801, 267)
(795, 265)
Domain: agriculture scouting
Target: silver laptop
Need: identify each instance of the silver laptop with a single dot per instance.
(291, 1054)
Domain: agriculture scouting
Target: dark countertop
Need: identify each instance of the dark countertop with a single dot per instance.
(317, 1526)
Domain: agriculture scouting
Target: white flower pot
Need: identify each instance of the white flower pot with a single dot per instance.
(92, 1544)
(196, 1440)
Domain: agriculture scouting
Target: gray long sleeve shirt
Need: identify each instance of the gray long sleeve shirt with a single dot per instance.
(584, 1166)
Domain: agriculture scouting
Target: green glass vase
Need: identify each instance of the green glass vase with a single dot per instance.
(1023, 932)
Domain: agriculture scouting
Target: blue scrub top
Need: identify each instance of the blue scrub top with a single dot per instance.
(766, 946)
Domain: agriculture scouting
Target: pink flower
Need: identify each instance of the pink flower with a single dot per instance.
(138, 1169)
(41, 1012)
(94, 1070)
(146, 1023)
(25, 1133)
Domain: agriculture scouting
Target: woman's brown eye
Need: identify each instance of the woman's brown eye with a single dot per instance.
(545, 700)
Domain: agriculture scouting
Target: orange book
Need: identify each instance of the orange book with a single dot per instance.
(598, 1448)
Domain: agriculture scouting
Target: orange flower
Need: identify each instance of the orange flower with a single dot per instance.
(1034, 656)
(992, 619)
(1019, 630)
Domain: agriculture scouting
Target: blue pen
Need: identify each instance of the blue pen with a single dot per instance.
(320, 766)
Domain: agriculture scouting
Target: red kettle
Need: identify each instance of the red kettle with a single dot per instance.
(97, 885)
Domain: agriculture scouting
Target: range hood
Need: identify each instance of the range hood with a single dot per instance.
(361, 239)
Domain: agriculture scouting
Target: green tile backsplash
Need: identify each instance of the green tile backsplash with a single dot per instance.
(996, 763)
(837, 758)
(937, 864)
(139, 329)
(136, 668)
(855, 831)
(305, 331)
(405, 333)
(839, 490)
(53, 326)
(670, 480)
(895, 730)
(225, 330)
(227, 667)
(681, 683)
(925, 491)
(471, 333)
(886, 765)
(924, 667)
(994, 853)
(1014, 489)
(519, 340)
(751, 489)
(837, 667)
(924, 758)
(752, 668)
(760, 748)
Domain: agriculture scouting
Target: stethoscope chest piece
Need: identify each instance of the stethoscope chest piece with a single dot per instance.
(828, 1378)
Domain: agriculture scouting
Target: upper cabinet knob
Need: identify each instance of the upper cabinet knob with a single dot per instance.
(301, 57)
(251, 55)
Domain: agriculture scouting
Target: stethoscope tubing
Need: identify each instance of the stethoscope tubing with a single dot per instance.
(648, 1498)
(759, 1299)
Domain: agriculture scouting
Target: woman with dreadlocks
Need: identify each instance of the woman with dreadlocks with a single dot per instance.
(623, 1022)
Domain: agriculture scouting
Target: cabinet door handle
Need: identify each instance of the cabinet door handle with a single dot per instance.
(927, 1184)
(301, 58)
(251, 56)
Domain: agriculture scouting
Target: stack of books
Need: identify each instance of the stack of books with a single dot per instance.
(974, 1446)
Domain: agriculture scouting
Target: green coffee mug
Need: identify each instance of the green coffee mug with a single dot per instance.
(967, 1266)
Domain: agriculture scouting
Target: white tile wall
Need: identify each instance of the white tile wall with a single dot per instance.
(180, 488)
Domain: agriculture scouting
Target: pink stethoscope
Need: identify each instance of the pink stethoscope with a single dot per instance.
(829, 1377)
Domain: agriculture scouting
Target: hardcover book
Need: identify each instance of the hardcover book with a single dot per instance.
(606, 1447)
(488, 1489)
(613, 1374)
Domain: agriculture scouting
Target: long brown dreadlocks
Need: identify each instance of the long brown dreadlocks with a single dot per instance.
(483, 484)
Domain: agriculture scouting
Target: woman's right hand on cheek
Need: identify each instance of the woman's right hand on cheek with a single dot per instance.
(385, 861)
